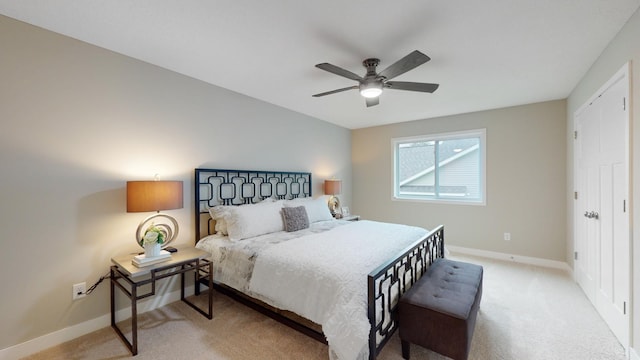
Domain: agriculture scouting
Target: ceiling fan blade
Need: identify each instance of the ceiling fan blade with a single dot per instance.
(336, 91)
(339, 71)
(372, 101)
(409, 62)
(411, 86)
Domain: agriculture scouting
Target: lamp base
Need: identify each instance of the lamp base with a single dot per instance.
(170, 230)
(334, 206)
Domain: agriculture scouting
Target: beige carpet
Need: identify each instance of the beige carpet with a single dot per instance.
(526, 312)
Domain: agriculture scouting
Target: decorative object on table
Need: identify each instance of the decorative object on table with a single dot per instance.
(157, 230)
(345, 211)
(333, 187)
(142, 260)
(152, 241)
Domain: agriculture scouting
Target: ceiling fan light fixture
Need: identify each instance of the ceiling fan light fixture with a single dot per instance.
(371, 89)
(372, 83)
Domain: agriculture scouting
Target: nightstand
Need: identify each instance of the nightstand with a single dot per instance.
(351, 218)
(128, 278)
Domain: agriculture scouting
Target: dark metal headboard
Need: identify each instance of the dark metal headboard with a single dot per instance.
(238, 187)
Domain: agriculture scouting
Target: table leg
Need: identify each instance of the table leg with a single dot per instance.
(210, 284)
(134, 319)
(208, 315)
(133, 345)
(182, 284)
(113, 303)
(197, 278)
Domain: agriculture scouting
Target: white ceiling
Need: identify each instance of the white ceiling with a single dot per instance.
(484, 54)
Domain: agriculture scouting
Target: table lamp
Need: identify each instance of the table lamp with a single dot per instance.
(333, 187)
(146, 196)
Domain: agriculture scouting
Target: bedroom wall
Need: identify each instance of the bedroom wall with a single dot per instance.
(623, 48)
(77, 122)
(526, 170)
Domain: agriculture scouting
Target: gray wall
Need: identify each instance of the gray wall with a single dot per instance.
(76, 123)
(526, 170)
(623, 48)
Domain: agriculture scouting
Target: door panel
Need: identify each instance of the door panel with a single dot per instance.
(621, 251)
(588, 181)
(606, 233)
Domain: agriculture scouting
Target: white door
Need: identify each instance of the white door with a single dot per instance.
(602, 243)
(588, 188)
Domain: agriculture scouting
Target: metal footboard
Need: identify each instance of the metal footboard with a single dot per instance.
(390, 280)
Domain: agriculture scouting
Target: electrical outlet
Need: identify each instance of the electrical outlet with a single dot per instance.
(79, 290)
(507, 236)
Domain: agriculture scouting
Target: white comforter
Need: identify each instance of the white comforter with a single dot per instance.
(323, 278)
(233, 260)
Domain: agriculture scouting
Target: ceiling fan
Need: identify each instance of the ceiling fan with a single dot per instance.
(372, 83)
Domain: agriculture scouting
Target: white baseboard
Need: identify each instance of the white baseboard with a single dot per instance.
(509, 257)
(69, 333)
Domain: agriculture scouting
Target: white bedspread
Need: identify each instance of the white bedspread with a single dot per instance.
(323, 277)
(233, 260)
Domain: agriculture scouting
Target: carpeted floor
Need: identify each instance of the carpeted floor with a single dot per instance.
(526, 313)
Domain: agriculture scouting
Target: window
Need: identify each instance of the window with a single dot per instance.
(441, 167)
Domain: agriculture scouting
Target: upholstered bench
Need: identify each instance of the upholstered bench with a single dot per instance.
(439, 311)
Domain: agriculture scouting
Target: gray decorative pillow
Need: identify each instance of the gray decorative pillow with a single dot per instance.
(295, 218)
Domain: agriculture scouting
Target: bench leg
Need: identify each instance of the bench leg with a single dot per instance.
(406, 348)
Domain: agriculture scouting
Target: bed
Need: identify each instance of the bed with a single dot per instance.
(278, 250)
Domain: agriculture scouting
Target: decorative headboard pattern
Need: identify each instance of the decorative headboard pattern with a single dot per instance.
(238, 187)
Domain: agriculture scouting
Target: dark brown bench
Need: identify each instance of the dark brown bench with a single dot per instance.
(439, 311)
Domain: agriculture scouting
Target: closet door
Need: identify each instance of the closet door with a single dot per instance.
(588, 188)
(602, 243)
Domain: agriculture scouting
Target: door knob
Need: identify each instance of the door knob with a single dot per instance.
(591, 215)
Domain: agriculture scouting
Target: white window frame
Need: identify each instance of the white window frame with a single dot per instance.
(479, 133)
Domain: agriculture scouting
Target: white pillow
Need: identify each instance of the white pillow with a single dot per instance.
(317, 209)
(253, 220)
(219, 213)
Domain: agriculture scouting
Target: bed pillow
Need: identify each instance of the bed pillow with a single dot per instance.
(219, 213)
(317, 209)
(294, 218)
(253, 220)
